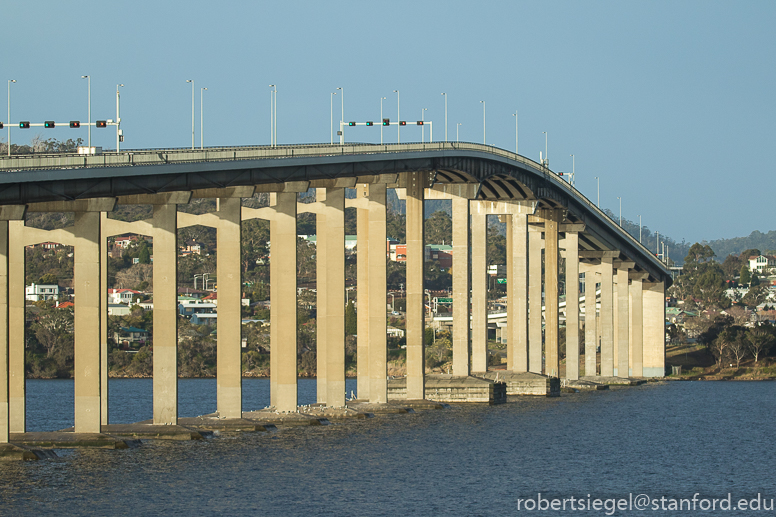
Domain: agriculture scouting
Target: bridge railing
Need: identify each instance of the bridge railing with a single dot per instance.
(144, 157)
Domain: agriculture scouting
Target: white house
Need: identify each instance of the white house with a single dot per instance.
(118, 309)
(762, 263)
(38, 292)
(125, 296)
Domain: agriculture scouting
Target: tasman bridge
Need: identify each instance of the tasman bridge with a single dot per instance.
(547, 221)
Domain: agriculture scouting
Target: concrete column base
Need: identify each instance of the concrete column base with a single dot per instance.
(453, 389)
(526, 383)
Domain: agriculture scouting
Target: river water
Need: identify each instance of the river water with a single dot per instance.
(669, 440)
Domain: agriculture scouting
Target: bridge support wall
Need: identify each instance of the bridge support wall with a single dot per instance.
(479, 290)
(229, 352)
(654, 329)
(416, 185)
(461, 286)
(606, 318)
(535, 348)
(572, 305)
(517, 304)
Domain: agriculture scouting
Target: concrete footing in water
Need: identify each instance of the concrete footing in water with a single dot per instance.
(12, 452)
(69, 440)
(585, 385)
(526, 383)
(149, 431)
(452, 389)
(614, 381)
(272, 417)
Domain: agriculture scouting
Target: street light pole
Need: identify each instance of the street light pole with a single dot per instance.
(201, 119)
(573, 172)
(546, 158)
(445, 95)
(398, 116)
(342, 128)
(456, 131)
(598, 190)
(331, 115)
(89, 105)
(381, 119)
(9, 114)
(515, 115)
(618, 197)
(423, 126)
(192, 111)
(639, 229)
(272, 95)
(118, 118)
(483, 122)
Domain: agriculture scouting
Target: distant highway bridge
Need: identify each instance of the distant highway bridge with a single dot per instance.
(548, 221)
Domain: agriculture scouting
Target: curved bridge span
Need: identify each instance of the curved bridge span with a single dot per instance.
(555, 238)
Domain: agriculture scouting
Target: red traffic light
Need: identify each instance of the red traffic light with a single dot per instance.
(75, 124)
(101, 123)
(402, 123)
(420, 122)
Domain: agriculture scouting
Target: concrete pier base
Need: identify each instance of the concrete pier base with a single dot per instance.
(225, 425)
(69, 440)
(452, 389)
(147, 430)
(337, 414)
(582, 385)
(390, 408)
(614, 381)
(11, 452)
(526, 383)
(272, 417)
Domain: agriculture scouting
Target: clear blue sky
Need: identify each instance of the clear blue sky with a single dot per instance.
(669, 103)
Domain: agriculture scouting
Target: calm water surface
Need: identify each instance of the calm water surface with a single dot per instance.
(672, 440)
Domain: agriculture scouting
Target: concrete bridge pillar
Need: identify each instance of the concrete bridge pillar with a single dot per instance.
(416, 184)
(479, 290)
(517, 303)
(362, 301)
(4, 394)
(606, 319)
(654, 329)
(637, 327)
(16, 318)
(165, 271)
(591, 320)
(461, 285)
(623, 320)
(377, 353)
(283, 364)
(86, 280)
(535, 348)
(229, 351)
(551, 314)
(572, 305)
(330, 256)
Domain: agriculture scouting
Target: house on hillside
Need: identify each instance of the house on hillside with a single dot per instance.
(130, 336)
(38, 292)
(762, 263)
(125, 296)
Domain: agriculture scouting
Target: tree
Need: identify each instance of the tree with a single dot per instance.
(755, 280)
(760, 341)
(745, 275)
(439, 228)
(351, 320)
(738, 345)
(719, 348)
(144, 257)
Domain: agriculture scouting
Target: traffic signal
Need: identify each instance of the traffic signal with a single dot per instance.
(386, 122)
(101, 123)
(1, 125)
(402, 123)
(560, 174)
(420, 122)
(351, 123)
(75, 124)
(49, 123)
(369, 123)
(24, 125)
